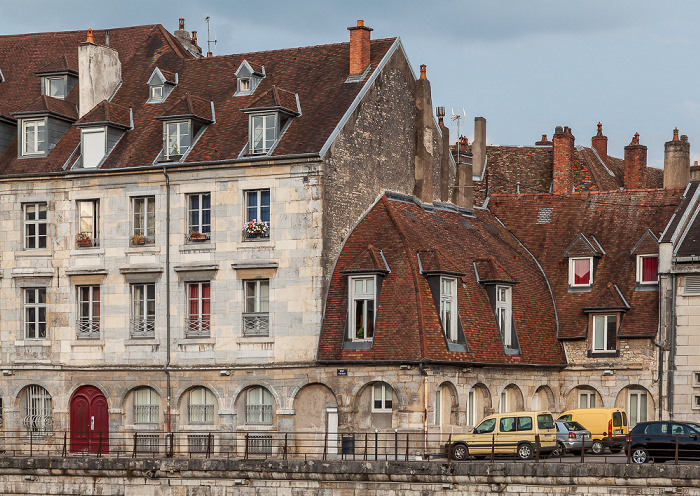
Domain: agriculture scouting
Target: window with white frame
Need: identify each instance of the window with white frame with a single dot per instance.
(448, 307)
(438, 406)
(93, 145)
(88, 222)
(604, 333)
(201, 406)
(144, 220)
(362, 307)
(35, 313)
(256, 314)
(586, 399)
(156, 92)
(177, 138)
(648, 269)
(199, 218)
(55, 87)
(243, 85)
(33, 136)
(637, 407)
(143, 310)
(146, 406)
(37, 410)
(88, 311)
(258, 406)
(581, 272)
(382, 398)
(198, 310)
(263, 133)
(257, 213)
(504, 315)
(503, 404)
(471, 407)
(34, 226)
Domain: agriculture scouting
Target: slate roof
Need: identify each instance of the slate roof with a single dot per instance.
(408, 325)
(684, 229)
(617, 220)
(316, 74)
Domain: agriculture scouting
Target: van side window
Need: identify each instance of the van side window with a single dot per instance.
(624, 419)
(617, 419)
(486, 426)
(507, 424)
(545, 421)
(524, 423)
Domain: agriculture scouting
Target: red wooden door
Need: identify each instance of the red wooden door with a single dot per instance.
(89, 421)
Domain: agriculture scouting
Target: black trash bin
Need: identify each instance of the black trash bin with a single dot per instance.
(347, 444)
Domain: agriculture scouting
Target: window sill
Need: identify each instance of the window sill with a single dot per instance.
(141, 342)
(197, 340)
(199, 427)
(255, 340)
(580, 289)
(87, 342)
(28, 253)
(646, 286)
(33, 342)
(267, 240)
(358, 345)
(198, 247)
(139, 249)
(458, 347)
(603, 354)
(143, 427)
(257, 427)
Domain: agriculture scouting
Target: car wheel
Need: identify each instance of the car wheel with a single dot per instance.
(559, 450)
(597, 447)
(640, 455)
(460, 452)
(524, 451)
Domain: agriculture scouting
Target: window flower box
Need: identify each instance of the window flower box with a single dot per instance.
(138, 239)
(198, 237)
(83, 239)
(256, 229)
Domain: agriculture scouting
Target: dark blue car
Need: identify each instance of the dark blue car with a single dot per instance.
(657, 441)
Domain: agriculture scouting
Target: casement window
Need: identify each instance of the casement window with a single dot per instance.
(448, 307)
(243, 85)
(146, 406)
(581, 272)
(143, 310)
(93, 145)
(198, 310)
(199, 216)
(177, 138)
(258, 407)
(257, 213)
(648, 269)
(36, 407)
(438, 406)
(503, 403)
(471, 407)
(362, 310)
(637, 407)
(604, 333)
(256, 315)
(55, 87)
(144, 220)
(34, 226)
(504, 315)
(201, 406)
(263, 133)
(586, 399)
(88, 223)
(35, 313)
(33, 137)
(382, 398)
(88, 311)
(156, 93)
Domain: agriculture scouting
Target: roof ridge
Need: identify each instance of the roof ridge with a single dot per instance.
(75, 31)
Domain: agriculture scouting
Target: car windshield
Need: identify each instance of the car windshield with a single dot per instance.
(486, 426)
(693, 427)
(565, 417)
(574, 426)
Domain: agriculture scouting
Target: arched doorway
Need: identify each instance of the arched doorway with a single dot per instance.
(89, 421)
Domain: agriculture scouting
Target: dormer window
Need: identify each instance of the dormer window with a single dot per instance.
(160, 84)
(504, 315)
(362, 309)
(243, 85)
(33, 137)
(157, 93)
(177, 136)
(648, 269)
(448, 307)
(581, 272)
(93, 146)
(263, 133)
(55, 87)
(247, 79)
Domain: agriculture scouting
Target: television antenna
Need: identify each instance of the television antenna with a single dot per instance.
(209, 40)
(459, 118)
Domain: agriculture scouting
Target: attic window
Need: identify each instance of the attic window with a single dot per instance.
(94, 146)
(177, 136)
(581, 272)
(160, 85)
(55, 87)
(247, 79)
(263, 133)
(647, 269)
(33, 137)
(156, 93)
(243, 85)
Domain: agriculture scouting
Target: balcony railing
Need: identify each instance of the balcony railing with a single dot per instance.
(40, 424)
(147, 240)
(198, 327)
(201, 414)
(146, 414)
(258, 414)
(88, 327)
(256, 324)
(197, 237)
(144, 327)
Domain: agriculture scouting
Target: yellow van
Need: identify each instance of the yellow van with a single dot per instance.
(511, 433)
(608, 426)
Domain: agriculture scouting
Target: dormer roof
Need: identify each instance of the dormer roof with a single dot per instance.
(106, 113)
(46, 105)
(609, 299)
(60, 65)
(647, 244)
(161, 76)
(583, 247)
(369, 260)
(489, 271)
(246, 69)
(190, 107)
(276, 99)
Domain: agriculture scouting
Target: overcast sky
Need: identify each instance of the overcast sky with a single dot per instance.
(526, 66)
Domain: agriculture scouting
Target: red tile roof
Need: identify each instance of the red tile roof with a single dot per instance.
(107, 113)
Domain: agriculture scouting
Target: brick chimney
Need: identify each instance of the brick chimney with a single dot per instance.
(423, 186)
(563, 153)
(599, 143)
(99, 73)
(188, 42)
(635, 164)
(543, 142)
(479, 146)
(359, 48)
(677, 162)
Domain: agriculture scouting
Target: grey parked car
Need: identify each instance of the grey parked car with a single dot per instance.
(570, 434)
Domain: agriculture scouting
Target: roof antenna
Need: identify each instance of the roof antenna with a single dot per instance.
(209, 40)
(458, 117)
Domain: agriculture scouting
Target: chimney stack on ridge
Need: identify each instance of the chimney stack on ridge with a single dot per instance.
(635, 165)
(479, 146)
(677, 162)
(359, 48)
(563, 154)
(99, 73)
(599, 143)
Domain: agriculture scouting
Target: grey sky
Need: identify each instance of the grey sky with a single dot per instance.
(526, 66)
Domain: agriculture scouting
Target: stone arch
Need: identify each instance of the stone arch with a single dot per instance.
(478, 403)
(513, 397)
(202, 412)
(129, 404)
(450, 404)
(246, 416)
(131, 388)
(372, 407)
(574, 398)
(543, 399)
(638, 402)
(244, 385)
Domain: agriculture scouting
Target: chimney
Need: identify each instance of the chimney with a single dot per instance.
(99, 73)
(425, 137)
(463, 192)
(479, 146)
(190, 43)
(635, 164)
(677, 162)
(695, 172)
(445, 157)
(359, 48)
(543, 142)
(563, 153)
(599, 143)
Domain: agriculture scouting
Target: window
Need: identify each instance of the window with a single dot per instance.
(146, 402)
(256, 316)
(156, 92)
(55, 87)
(88, 311)
(34, 226)
(637, 407)
(448, 307)
(604, 333)
(257, 211)
(503, 404)
(199, 307)
(691, 285)
(177, 138)
(37, 410)
(93, 146)
(258, 406)
(382, 398)
(504, 315)
(143, 310)
(471, 407)
(201, 408)
(144, 210)
(88, 221)
(648, 269)
(199, 216)
(263, 133)
(486, 427)
(586, 399)
(243, 85)
(33, 136)
(362, 308)
(580, 272)
(438, 406)
(35, 313)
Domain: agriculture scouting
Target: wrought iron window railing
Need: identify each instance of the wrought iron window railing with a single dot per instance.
(258, 414)
(256, 324)
(89, 327)
(144, 327)
(201, 414)
(147, 443)
(198, 327)
(146, 414)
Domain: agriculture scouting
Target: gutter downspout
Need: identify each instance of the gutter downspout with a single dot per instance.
(425, 408)
(661, 375)
(167, 295)
(672, 358)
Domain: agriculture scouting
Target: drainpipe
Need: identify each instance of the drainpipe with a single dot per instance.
(425, 409)
(167, 294)
(661, 375)
(672, 358)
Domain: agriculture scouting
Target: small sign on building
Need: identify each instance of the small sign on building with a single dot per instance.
(342, 371)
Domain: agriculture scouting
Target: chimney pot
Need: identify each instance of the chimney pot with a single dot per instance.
(675, 134)
(90, 37)
(600, 129)
(558, 130)
(544, 137)
(359, 47)
(182, 23)
(194, 37)
(422, 72)
(684, 137)
(360, 23)
(599, 143)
